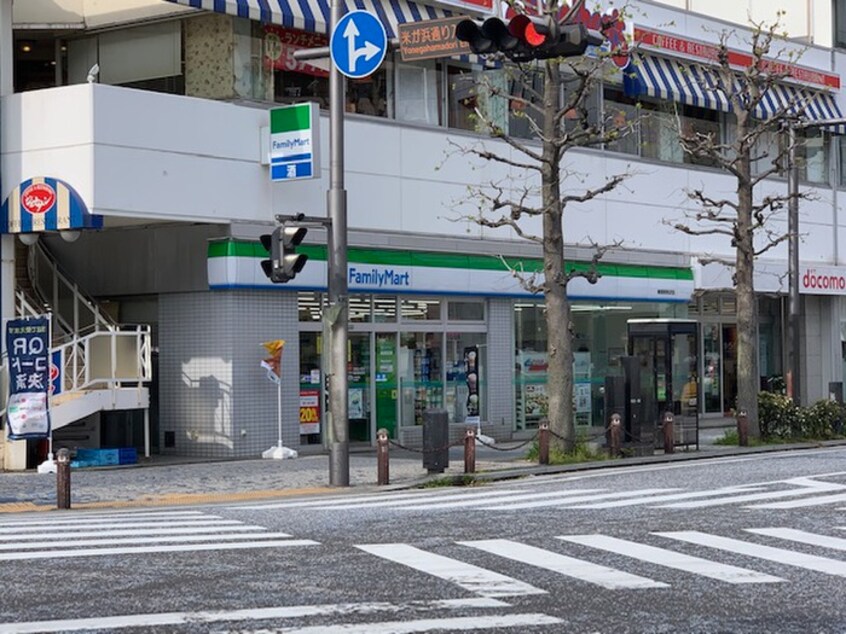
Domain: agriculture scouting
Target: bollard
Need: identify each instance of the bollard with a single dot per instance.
(742, 428)
(63, 479)
(470, 450)
(383, 475)
(669, 441)
(616, 429)
(543, 442)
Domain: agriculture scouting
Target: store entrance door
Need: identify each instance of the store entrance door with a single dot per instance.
(667, 356)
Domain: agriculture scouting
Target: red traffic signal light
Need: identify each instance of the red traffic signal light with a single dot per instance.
(526, 37)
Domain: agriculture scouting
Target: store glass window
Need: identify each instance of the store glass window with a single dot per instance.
(359, 307)
(813, 157)
(369, 95)
(526, 87)
(466, 310)
(621, 113)
(421, 309)
(840, 23)
(295, 81)
(418, 94)
(462, 97)
(659, 135)
(420, 366)
(384, 309)
(309, 306)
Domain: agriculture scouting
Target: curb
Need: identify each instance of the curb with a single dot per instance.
(169, 499)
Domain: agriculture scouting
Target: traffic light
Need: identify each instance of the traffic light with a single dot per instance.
(526, 37)
(281, 245)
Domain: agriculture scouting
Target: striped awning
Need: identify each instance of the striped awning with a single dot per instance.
(698, 85)
(313, 15)
(45, 204)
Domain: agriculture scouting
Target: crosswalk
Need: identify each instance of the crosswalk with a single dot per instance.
(135, 532)
(793, 493)
(584, 558)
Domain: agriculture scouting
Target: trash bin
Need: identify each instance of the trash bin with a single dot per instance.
(435, 440)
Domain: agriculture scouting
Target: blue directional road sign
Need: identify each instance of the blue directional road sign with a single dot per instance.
(358, 44)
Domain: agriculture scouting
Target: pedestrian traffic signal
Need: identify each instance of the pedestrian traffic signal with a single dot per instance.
(284, 262)
(525, 37)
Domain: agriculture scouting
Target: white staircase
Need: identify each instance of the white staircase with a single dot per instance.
(102, 365)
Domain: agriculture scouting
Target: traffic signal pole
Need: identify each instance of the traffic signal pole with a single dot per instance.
(337, 313)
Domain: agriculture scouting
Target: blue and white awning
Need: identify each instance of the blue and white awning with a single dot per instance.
(698, 85)
(313, 15)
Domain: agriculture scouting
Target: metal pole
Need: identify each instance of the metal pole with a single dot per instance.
(339, 447)
(793, 316)
(279, 412)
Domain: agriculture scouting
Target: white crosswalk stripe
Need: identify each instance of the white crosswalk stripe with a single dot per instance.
(165, 621)
(88, 535)
(475, 499)
(493, 583)
(805, 486)
(473, 578)
(769, 553)
(564, 565)
(672, 559)
(567, 501)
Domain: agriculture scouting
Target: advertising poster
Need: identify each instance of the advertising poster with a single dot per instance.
(309, 412)
(471, 371)
(28, 346)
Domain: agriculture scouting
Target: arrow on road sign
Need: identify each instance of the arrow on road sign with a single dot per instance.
(368, 50)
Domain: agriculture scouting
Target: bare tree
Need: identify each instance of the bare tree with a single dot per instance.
(754, 154)
(558, 126)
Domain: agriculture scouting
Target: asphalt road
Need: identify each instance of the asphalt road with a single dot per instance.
(747, 544)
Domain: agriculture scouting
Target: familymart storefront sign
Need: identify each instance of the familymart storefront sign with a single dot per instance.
(235, 264)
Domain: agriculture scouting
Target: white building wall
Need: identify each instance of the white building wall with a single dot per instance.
(146, 155)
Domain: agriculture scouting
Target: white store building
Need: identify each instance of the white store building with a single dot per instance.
(162, 157)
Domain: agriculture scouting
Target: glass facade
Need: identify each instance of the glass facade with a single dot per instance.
(600, 336)
(405, 355)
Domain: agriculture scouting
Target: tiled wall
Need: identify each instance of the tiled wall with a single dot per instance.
(214, 395)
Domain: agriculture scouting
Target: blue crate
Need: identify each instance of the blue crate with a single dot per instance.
(127, 455)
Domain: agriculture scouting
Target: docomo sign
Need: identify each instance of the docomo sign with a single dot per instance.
(822, 280)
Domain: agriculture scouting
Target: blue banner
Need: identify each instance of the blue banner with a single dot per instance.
(28, 353)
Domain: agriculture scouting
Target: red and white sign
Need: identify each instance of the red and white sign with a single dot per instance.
(822, 280)
(280, 44)
(686, 47)
(38, 198)
(309, 411)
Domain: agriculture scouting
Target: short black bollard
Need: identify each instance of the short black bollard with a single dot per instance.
(614, 433)
(742, 428)
(63, 479)
(470, 450)
(669, 440)
(382, 466)
(543, 442)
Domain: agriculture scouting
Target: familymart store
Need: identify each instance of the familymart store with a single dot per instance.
(416, 318)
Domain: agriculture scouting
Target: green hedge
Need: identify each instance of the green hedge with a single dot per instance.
(780, 418)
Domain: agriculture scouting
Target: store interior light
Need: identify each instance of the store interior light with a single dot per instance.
(26, 47)
(28, 238)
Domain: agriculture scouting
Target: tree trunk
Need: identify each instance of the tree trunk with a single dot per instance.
(559, 342)
(747, 313)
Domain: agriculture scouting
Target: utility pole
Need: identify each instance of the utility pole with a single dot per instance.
(793, 299)
(337, 313)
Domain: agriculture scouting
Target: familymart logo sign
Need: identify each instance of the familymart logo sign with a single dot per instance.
(822, 280)
(294, 142)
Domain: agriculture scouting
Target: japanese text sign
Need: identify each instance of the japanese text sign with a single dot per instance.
(28, 352)
(430, 39)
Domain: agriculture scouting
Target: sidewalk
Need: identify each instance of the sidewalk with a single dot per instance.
(166, 480)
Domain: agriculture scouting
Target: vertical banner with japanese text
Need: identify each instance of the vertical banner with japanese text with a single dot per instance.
(28, 354)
